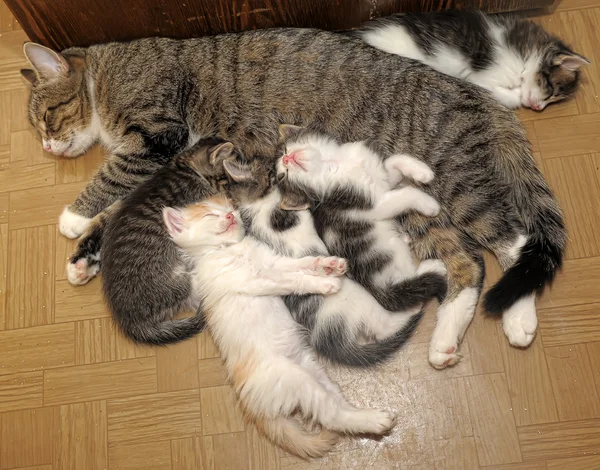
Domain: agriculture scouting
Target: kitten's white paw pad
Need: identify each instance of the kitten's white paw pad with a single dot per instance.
(380, 421)
(331, 266)
(329, 285)
(432, 266)
(519, 328)
(81, 272)
(442, 356)
(71, 225)
(429, 207)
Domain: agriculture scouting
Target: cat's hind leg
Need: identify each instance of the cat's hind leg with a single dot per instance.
(398, 201)
(401, 165)
(84, 263)
(465, 275)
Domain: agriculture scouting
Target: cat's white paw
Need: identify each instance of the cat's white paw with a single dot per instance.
(379, 421)
(520, 322)
(331, 266)
(421, 173)
(329, 285)
(72, 225)
(429, 207)
(442, 354)
(81, 272)
(432, 266)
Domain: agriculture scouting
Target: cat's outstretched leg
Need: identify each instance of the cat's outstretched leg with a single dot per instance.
(401, 200)
(520, 320)
(402, 165)
(116, 178)
(84, 263)
(509, 97)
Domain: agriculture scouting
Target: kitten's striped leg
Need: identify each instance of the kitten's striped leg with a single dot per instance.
(116, 178)
(84, 263)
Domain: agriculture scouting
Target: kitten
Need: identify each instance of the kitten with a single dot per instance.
(145, 281)
(335, 323)
(516, 60)
(353, 191)
(272, 368)
(355, 204)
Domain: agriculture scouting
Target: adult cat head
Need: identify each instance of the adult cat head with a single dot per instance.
(552, 73)
(59, 105)
(211, 223)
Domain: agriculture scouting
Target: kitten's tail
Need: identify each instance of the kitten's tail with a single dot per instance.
(289, 435)
(166, 332)
(412, 292)
(542, 255)
(336, 342)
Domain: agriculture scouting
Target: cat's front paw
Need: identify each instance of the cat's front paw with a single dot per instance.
(72, 225)
(81, 272)
(442, 355)
(379, 421)
(329, 285)
(331, 266)
(432, 266)
(429, 207)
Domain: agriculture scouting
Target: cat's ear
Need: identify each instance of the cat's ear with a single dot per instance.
(571, 62)
(48, 64)
(174, 220)
(237, 171)
(288, 131)
(30, 76)
(220, 152)
(293, 202)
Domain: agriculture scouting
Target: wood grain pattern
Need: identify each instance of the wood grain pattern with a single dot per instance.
(76, 394)
(66, 25)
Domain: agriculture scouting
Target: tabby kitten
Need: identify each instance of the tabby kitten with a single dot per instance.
(352, 190)
(514, 59)
(272, 368)
(145, 280)
(147, 99)
(337, 324)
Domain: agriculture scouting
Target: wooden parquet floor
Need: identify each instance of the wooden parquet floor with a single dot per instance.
(75, 395)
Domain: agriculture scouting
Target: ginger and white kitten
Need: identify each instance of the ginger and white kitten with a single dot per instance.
(348, 327)
(270, 364)
(356, 200)
(516, 60)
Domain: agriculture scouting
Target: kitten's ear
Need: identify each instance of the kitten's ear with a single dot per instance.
(288, 131)
(30, 76)
(220, 152)
(174, 220)
(237, 171)
(571, 62)
(293, 202)
(47, 63)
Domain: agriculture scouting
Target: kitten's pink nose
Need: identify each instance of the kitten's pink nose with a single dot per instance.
(230, 217)
(47, 147)
(287, 159)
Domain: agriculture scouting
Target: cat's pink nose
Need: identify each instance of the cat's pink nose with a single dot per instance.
(286, 159)
(47, 147)
(230, 217)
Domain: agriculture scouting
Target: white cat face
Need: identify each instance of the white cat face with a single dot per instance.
(212, 222)
(310, 162)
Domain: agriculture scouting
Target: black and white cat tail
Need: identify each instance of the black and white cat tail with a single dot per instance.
(534, 264)
(412, 292)
(336, 341)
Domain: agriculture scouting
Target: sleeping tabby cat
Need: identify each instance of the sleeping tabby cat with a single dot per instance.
(148, 99)
(516, 60)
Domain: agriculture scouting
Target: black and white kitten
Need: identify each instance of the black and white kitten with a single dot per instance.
(516, 60)
(337, 324)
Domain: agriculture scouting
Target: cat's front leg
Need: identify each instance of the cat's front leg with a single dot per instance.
(314, 265)
(401, 200)
(509, 97)
(401, 165)
(116, 178)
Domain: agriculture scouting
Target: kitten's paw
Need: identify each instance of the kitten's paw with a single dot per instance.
(329, 285)
(331, 266)
(429, 207)
(71, 225)
(379, 421)
(81, 272)
(432, 266)
(520, 324)
(442, 355)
